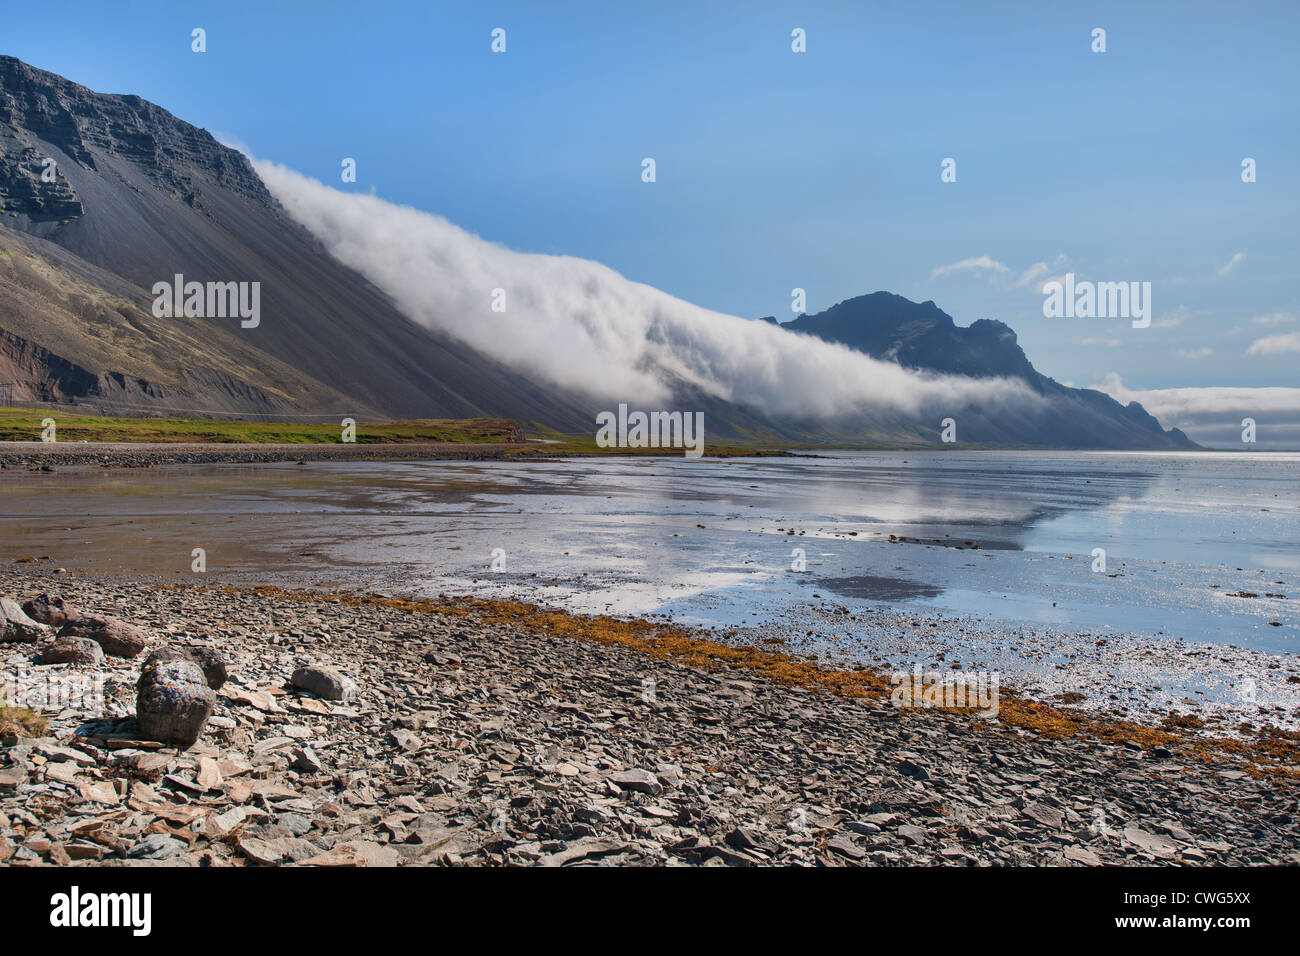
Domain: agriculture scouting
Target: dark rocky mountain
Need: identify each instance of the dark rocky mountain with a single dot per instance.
(922, 336)
(888, 326)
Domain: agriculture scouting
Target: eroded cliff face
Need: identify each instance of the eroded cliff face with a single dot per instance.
(40, 110)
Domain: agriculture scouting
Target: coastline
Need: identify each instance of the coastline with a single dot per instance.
(36, 455)
(495, 732)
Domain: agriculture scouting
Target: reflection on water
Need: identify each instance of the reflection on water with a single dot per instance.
(1010, 536)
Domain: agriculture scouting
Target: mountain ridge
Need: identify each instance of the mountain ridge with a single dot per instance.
(136, 195)
(921, 336)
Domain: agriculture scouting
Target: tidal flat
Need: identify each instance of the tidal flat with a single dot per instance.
(978, 561)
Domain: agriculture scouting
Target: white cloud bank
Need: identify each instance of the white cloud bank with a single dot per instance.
(1213, 415)
(578, 324)
(1175, 406)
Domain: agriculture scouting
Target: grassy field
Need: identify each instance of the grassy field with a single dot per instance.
(24, 424)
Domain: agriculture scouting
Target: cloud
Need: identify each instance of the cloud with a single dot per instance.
(1109, 343)
(1275, 318)
(1038, 270)
(1190, 406)
(1203, 352)
(1275, 344)
(580, 325)
(1001, 272)
(979, 264)
(1236, 260)
(1172, 319)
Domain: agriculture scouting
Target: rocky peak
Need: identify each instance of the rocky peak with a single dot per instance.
(40, 109)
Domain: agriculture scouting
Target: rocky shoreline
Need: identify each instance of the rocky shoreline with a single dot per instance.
(481, 733)
(47, 456)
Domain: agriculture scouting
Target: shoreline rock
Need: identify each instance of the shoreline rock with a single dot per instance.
(173, 702)
(115, 636)
(16, 627)
(471, 737)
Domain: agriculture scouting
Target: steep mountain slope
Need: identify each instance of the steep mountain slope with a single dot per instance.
(146, 196)
(72, 333)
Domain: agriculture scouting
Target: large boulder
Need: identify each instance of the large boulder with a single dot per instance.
(16, 627)
(324, 682)
(116, 637)
(72, 650)
(207, 659)
(173, 702)
(50, 610)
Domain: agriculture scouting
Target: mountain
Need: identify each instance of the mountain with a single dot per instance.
(922, 336)
(103, 196)
(138, 196)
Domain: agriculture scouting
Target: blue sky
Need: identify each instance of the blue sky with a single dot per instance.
(778, 170)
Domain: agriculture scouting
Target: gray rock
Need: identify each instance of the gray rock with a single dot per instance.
(324, 682)
(296, 823)
(305, 759)
(841, 843)
(643, 781)
(72, 650)
(173, 703)
(208, 660)
(265, 852)
(909, 769)
(116, 637)
(11, 778)
(914, 833)
(16, 627)
(156, 846)
(1047, 816)
(1152, 843)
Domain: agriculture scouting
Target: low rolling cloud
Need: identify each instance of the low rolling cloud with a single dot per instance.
(1212, 415)
(579, 324)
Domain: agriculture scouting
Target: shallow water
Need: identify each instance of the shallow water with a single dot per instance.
(1003, 536)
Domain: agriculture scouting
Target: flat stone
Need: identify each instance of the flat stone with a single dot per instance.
(1153, 843)
(100, 793)
(642, 781)
(1080, 854)
(157, 846)
(260, 851)
(1046, 815)
(913, 833)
